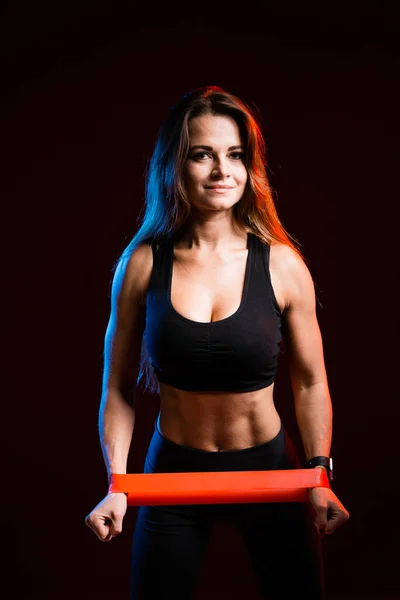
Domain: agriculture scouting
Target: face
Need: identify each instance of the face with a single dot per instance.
(216, 158)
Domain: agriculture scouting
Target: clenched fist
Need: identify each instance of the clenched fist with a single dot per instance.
(106, 518)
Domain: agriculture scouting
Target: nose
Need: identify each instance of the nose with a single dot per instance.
(220, 169)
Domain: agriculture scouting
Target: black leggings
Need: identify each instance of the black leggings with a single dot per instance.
(170, 542)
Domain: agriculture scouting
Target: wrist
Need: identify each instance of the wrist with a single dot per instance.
(112, 486)
(323, 462)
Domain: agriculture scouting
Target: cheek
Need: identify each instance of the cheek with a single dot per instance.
(242, 175)
(190, 171)
(195, 174)
(188, 178)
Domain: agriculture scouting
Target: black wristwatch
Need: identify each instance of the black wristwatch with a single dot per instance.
(323, 461)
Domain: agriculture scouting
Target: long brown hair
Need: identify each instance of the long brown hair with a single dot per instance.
(166, 206)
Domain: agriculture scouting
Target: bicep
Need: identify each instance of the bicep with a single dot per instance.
(123, 337)
(302, 333)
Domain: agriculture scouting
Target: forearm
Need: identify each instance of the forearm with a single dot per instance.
(116, 423)
(313, 409)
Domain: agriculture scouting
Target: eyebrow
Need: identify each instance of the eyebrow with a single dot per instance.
(210, 147)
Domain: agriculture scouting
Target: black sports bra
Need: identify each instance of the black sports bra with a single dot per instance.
(236, 354)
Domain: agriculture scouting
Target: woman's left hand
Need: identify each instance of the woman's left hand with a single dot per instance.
(329, 511)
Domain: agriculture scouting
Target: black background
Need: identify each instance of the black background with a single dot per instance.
(84, 88)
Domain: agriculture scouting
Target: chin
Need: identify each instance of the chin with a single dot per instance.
(223, 200)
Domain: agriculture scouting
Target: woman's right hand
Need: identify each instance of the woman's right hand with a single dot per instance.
(106, 518)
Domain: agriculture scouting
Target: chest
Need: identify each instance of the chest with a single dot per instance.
(208, 290)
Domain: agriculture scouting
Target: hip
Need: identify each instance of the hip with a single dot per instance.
(166, 456)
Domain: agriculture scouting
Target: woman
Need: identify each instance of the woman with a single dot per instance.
(202, 299)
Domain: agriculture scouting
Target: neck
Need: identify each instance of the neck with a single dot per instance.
(210, 234)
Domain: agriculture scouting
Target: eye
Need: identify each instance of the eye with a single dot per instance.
(198, 155)
(234, 155)
(240, 155)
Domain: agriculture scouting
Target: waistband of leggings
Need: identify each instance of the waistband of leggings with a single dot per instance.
(182, 447)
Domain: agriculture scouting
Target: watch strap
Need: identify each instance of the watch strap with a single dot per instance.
(321, 461)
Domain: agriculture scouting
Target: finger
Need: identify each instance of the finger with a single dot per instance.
(116, 523)
(338, 519)
(322, 530)
(321, 518)
(101, 529)
(110, 537)
(90, 523)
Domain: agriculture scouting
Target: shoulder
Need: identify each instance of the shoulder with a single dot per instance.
(285, 258)
(293, 273)
(134, 271)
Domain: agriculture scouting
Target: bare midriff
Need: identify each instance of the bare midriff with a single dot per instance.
(218, 421)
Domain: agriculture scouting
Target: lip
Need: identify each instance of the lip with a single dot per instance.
(219, 187)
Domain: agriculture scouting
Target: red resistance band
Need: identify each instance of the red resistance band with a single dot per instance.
(226, 487)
